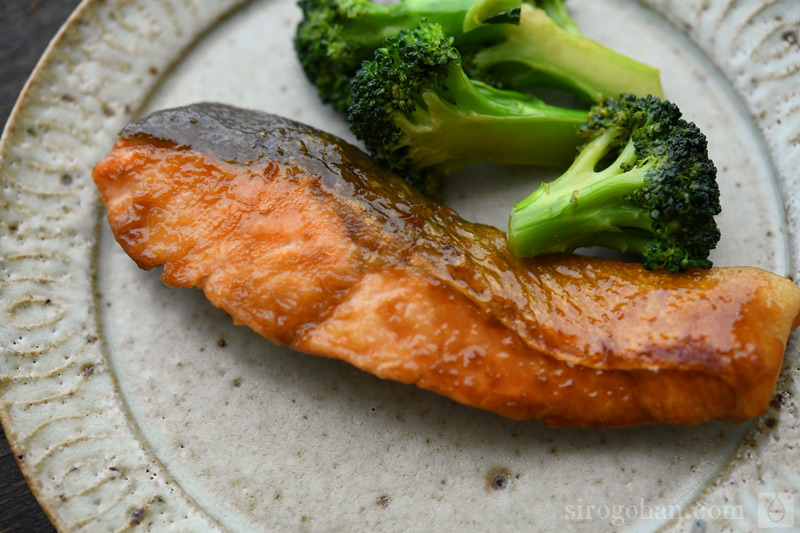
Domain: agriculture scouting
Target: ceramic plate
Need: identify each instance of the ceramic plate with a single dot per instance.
(131, 404)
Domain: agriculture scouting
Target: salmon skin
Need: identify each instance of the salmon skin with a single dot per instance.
(307, 241)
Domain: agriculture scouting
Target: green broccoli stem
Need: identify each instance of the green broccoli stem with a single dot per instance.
(375, 23)
(499, 11)
(491, 12)
(585, 207)
(464, 121)
(555, 10)
(537, 52)
(336, 36)
(627, 240)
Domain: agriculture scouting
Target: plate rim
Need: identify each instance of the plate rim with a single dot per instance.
(204, 15)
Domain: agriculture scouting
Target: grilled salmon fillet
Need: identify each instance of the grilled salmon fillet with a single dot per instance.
(304, 239)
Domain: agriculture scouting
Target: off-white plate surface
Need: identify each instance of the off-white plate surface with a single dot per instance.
(132, 404)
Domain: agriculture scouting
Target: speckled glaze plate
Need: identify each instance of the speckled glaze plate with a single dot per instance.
(133, 405)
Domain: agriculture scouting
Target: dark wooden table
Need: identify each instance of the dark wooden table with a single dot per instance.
(26, 26)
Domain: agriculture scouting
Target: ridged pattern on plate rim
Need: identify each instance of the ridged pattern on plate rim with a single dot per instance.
(756, 45)
(64, 417)
(59, 404)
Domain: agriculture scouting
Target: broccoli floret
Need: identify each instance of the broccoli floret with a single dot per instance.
(335, 36)
(658, 197)
(418, 112)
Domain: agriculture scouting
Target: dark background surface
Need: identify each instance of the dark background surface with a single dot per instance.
(26, 26)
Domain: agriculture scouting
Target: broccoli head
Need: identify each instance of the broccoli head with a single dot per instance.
(642, 183)
(335, 36)
(509, 43)
(418, 112)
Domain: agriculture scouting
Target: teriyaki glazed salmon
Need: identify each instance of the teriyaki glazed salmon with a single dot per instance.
(303, 238)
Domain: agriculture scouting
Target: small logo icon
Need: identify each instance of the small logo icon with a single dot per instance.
(775, 509)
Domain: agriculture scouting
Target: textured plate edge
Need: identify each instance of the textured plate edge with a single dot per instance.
(4, 136)
(81, 35)
(754, 44)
